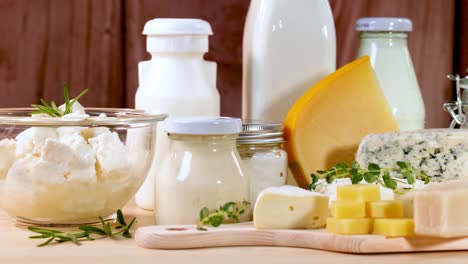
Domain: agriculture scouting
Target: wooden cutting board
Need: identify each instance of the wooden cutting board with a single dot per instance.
(185, 237)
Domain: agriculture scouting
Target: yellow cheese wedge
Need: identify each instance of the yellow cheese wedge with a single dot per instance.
(385, 209)
(395, 227)
(350, 226)
(358, 193)
(326, 125)
(345, 209)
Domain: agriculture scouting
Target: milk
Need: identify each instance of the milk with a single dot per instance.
(176, 81)
(288, 47)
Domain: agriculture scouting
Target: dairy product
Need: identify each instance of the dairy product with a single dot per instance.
(441, 210)
(65, 174)
(263, 159)
(384, 39)
(349, 226)
(201, 168)
(394, 227)
(290, 207)
(348, 209)
(358, 193)
(385, 209)
(288, 47)
(177, 46)
(326, 125)
(441, 153)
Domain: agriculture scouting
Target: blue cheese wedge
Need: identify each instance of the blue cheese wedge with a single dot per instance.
(290, 207)
(441, 153)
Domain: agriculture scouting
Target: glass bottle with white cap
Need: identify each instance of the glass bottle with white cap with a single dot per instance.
(200, 169)
(384, 39)
(176, 81)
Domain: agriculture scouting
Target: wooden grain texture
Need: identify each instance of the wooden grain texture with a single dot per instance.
(15, 247)
(431, 43)
(46, 43)
(227, 20)
(461, 38)
(185, 237)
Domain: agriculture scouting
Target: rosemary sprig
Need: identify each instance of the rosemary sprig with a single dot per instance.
(230, 211)
(86, 232)
(52, 109)
(387, 177)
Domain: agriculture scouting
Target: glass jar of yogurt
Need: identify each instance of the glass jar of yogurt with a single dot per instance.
(263, 158)
(200, 169)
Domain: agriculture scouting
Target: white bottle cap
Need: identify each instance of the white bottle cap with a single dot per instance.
(177, 35)
(400, 24)
(203, 125)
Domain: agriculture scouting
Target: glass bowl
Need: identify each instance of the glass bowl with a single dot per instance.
(71, 171)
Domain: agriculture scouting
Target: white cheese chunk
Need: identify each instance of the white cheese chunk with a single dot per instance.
(7, 156)
(33, 169)
(31, 140)
(290, 207)
(111, 155)
(441, 209)
(73, 155)
(441, 153)
(94, 132)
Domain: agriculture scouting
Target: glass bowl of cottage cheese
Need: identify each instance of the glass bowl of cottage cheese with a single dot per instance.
(70, 170)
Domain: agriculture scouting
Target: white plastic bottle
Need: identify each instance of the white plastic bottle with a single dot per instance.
(289, 45)
(176, 81)
(385, 40)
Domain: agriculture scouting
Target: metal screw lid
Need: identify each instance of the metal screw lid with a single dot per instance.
(258, 132)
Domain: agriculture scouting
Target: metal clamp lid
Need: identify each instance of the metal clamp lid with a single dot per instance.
(455, 108)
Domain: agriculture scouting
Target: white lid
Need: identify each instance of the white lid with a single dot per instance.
(177, 35)
(384, 24)
(203, 125)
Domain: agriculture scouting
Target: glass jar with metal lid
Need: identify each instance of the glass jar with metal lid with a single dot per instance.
(262, 155)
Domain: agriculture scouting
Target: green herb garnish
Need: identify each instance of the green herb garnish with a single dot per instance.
(86, 233)
(52, 109)
(387, 177)
(230, 211)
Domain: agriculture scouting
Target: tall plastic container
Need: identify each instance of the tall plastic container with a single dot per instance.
(385, 40)
(288, 47)
(176, 81)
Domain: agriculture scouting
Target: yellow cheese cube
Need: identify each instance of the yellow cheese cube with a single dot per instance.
(385, 209)
(394, 227)
(349, 226)
(358, 193)
(346, 209)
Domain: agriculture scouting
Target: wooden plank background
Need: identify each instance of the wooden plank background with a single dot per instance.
(98, 43)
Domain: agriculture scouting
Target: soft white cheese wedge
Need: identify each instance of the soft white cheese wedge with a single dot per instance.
(111, 156)
(290, 207)
(31, 140)
(7, 156)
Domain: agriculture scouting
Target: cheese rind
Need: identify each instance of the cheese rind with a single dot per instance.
(385, 209)
(395, 227)
(346, 209)
(290, 207)
(441, 153)
(358, 193)
(326, 125)
(441, 209)
(351, 226)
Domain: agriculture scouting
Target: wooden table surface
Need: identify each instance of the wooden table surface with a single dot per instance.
(15, 247)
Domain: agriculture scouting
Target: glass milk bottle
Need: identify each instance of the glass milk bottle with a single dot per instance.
(176, 81)
(200, 169)
(385, 40)
(289, 45)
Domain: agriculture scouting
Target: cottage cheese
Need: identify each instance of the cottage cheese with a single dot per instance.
(65, 173)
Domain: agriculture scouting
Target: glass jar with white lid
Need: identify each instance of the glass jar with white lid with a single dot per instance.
(385, 41)
(263, 158)
(200, 169)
